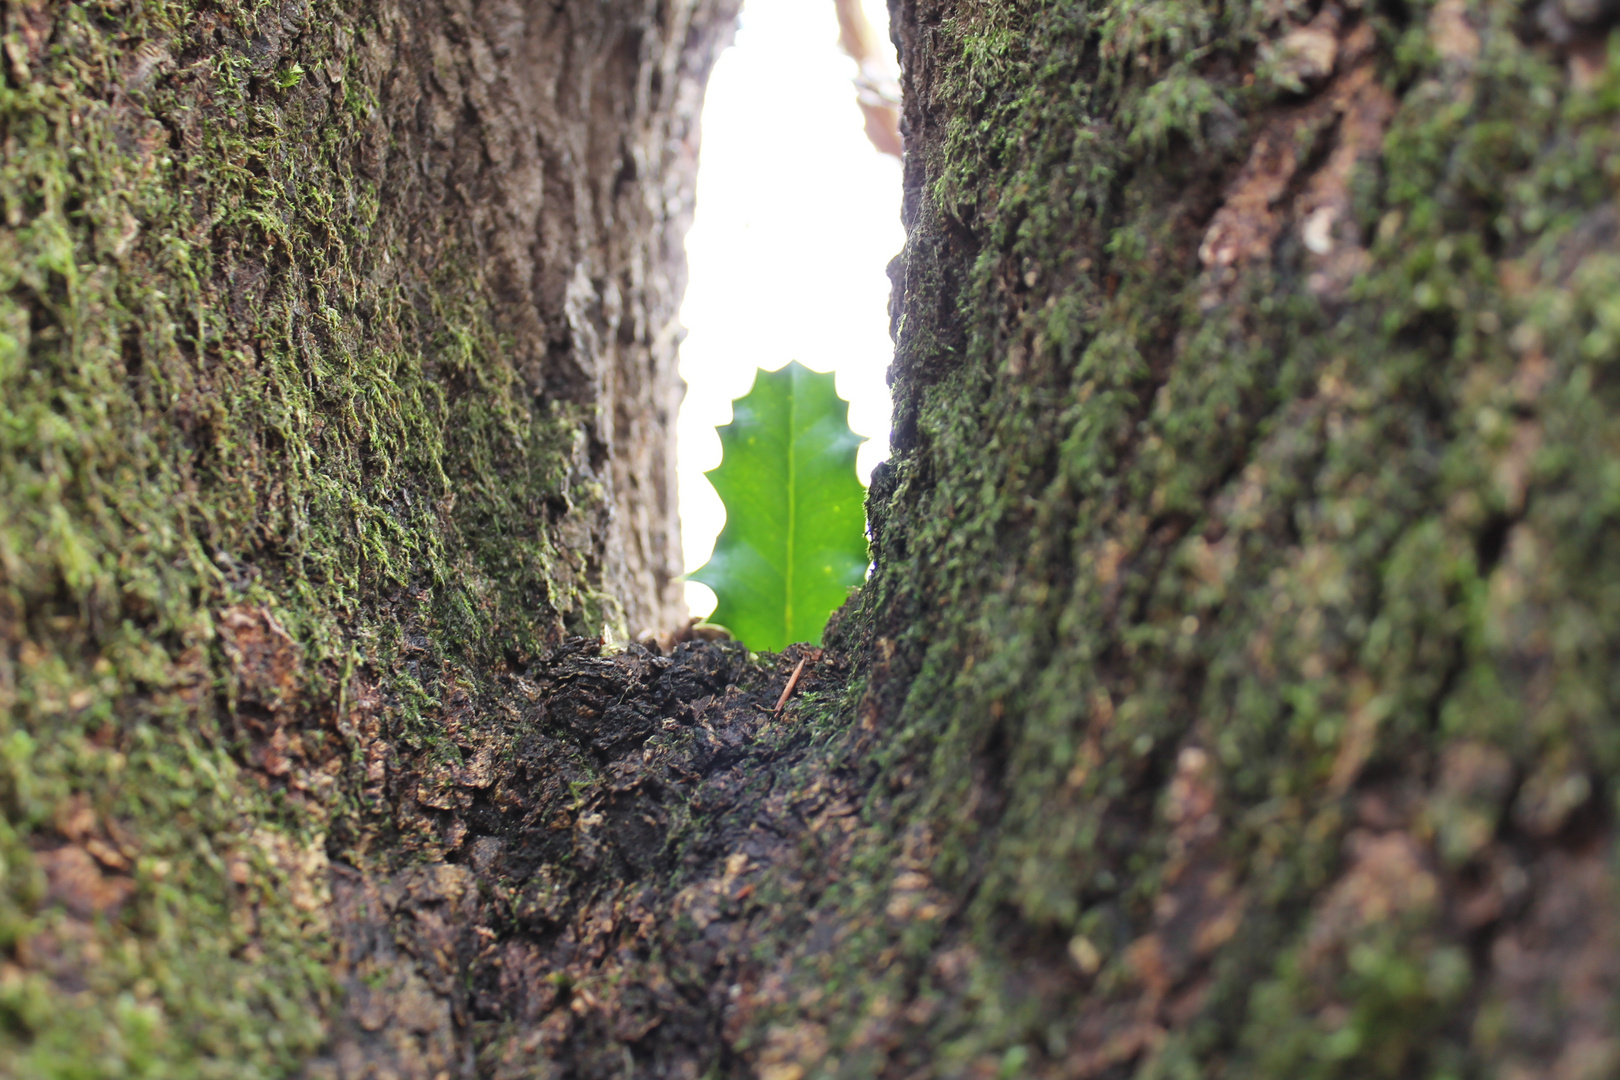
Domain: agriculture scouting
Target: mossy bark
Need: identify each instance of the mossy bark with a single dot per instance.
(1234, 696)
(1240, 655)
(337, 350)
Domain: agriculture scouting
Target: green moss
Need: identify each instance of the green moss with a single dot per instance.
(1326, 533)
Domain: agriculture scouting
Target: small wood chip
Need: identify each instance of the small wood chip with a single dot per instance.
(787, 691)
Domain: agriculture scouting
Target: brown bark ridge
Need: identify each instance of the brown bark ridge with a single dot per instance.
(1234, 695)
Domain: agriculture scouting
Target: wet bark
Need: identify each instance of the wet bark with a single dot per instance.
(1233, 695)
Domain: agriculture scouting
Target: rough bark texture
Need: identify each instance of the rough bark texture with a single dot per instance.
(337, 350)
(1235, 695)
(1240, 656)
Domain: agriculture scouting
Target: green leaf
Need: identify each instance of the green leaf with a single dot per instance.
(795, 537)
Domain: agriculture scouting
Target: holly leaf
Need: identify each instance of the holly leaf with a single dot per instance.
(794, 542)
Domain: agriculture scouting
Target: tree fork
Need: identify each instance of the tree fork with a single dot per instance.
(1233, 694)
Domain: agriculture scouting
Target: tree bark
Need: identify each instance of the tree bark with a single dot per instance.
(1234, 694)
(337, 375)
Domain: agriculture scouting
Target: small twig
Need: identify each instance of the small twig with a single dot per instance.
(793, 680)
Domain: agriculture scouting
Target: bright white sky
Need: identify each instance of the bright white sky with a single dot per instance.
(797, 218)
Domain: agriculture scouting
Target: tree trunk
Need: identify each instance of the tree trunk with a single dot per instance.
(337, 375)
(1234, 694)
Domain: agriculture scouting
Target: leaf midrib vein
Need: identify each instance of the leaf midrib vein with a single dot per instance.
(793, 504)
